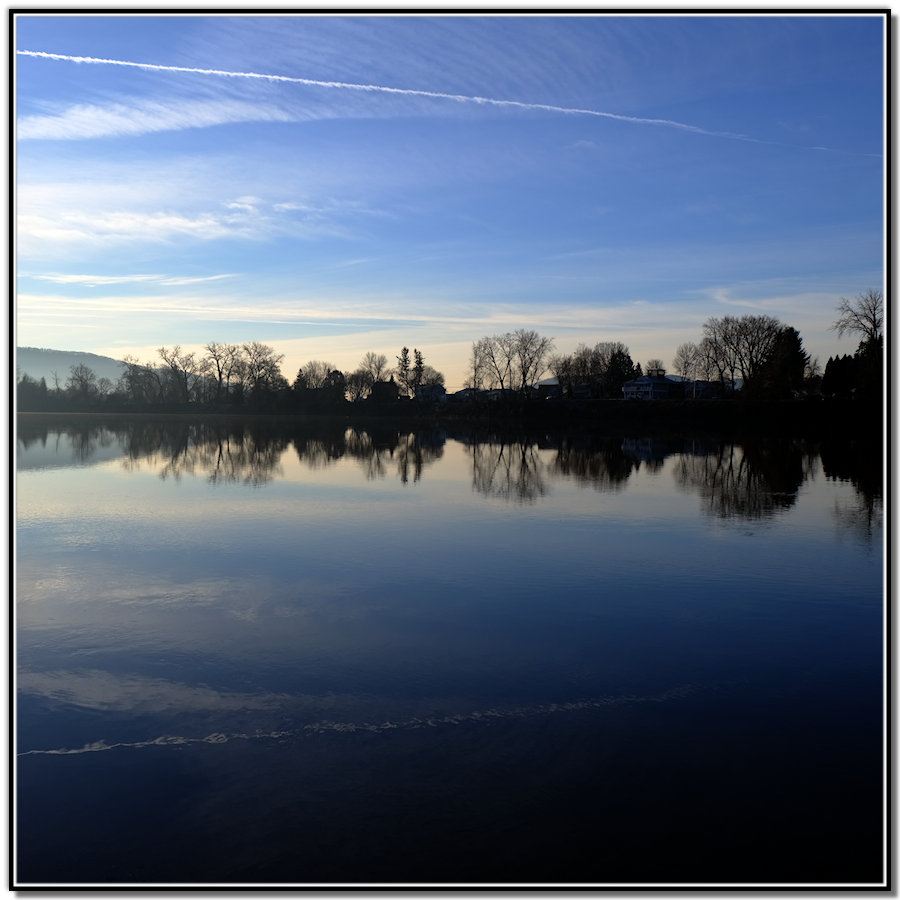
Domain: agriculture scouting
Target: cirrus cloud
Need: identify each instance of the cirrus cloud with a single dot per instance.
(85, 121)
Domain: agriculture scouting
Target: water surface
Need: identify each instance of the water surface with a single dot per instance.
(254, 654)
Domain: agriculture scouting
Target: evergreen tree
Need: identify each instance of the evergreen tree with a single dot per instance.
(781, 371)
(403, 370)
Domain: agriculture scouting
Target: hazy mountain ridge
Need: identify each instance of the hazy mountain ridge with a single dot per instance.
(38, 363)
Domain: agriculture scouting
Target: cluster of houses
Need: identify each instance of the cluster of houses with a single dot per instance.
(655, 385)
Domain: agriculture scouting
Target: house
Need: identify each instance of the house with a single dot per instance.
(655, 385)
(385, 391)
(431, 393)
(466, 395)
(702, 390)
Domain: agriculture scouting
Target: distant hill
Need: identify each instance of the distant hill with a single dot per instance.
(40, 363)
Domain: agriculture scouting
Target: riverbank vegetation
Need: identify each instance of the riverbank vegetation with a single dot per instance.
(753, 366)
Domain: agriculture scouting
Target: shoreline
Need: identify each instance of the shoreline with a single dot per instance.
(826, 417)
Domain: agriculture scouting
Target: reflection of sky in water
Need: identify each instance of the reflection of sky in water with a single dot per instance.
(176, 614)
(327, 569)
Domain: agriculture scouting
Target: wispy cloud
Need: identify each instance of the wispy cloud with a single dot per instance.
(102, 280)
(121, 120)
(131, 121)
(385, 89)
(96, 217)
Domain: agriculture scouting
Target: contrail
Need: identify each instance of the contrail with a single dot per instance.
(382, 89)
(437, 95)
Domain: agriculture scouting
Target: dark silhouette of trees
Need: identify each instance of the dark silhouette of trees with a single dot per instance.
(141, 383)
(491, 362)
(418, 370)
(185, 372)
(839, 378)
(755, 352)
(334, 387)
(531, 352)
(431, 376)
(403, 371)
(372, 368)
(81, 384)
(375, 366)
(411, 373)
(263, 367)
(781, 373)
(223, 362)
(515, 360)
(863, 315)
(31, 395)
(739, 347)
(617, 370)
(313, 375)
(862, 375)
(358, 385)
(598, 371)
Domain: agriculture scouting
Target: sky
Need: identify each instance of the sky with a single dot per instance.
(335, 184)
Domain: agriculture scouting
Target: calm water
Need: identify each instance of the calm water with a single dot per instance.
(251, 655)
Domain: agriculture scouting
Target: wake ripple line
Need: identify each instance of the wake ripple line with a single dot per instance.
(486, 716)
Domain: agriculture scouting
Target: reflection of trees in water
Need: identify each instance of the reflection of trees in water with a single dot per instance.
(599, 463)
(375, 449)
(81, 438)
(508, 470)
(373, 454)
(29, 433)
(753, 481)
(240, 451)
(415, 451)
(223, 454)
(859, 463)
(320, 449)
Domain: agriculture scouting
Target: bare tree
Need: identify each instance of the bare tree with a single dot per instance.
(263, 367)
(735, 346)
(314, 374)
(531, 352)
(105, 386)
(222, 360)
(687, 359)
(864, 315)
(654, 364)
(516, 359)
(141, 382)
(82, 381)
(560, 367)
(431, 376)
(375, 365)
(185, 371)
(358, 384)
(493, 361)
(477, 365)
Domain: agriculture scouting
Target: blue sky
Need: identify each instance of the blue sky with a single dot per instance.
(650, 172)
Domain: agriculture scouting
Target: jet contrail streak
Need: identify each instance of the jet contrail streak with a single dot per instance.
(436, 95)
(382, 89)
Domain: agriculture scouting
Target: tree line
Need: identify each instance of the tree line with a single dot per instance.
(754, 354)
(231, 377)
